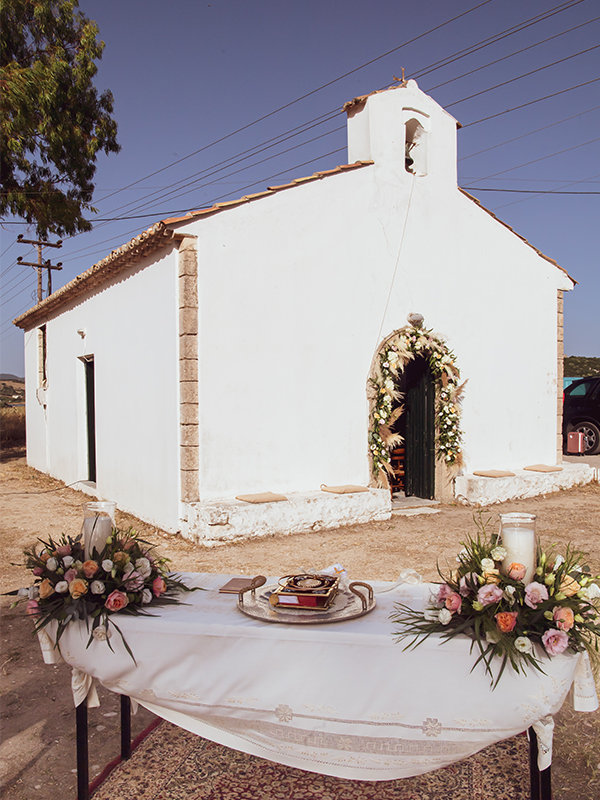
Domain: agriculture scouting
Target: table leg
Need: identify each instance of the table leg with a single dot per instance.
(81, 727)
(125, 727)
(540, 782)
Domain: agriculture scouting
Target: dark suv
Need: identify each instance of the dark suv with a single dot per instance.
(581, 412)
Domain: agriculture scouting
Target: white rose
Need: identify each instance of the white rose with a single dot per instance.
(61, 587)
(487, 564)
(445, 616)
(97, 587)
(51, 564)
(499, 553)
(523, 644)
(102, 633)
(146, 597)
(107, 565)
(67, 561)
(144, 567)
(559, 560)
(592, 591)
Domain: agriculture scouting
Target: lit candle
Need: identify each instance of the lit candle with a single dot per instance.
(98, 524)
(518, 539)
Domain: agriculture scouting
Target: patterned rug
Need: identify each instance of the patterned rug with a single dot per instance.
(173, 764)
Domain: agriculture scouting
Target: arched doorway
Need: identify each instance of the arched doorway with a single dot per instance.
(416, 426)
(414, 408)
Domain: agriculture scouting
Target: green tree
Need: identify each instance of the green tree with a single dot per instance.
(53, 122)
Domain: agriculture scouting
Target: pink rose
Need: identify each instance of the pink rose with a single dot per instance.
(32, 607)
(158, 586)
(116, 601)
(134, 581)
(564, 619)
(63, 550)
(453, 602)
(516, 571)
(535, 593)
(555, 641)
(37, 571)
(489, 593)
(70, 575)
(443, 592)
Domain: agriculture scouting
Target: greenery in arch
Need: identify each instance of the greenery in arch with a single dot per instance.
(385, 405)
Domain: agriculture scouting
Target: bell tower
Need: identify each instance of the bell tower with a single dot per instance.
(404, 131)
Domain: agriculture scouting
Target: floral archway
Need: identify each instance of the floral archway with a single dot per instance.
(385, 401)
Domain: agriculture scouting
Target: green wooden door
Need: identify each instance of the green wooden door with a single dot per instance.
(419, 402)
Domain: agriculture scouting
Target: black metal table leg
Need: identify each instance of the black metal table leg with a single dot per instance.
(81, 728)
(540, 781)
(125, 727)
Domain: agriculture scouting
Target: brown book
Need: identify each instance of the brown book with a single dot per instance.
(235, 585)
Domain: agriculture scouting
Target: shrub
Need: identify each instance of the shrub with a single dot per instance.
(12, 426)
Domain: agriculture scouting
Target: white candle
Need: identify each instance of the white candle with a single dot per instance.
(98, 524)
(518, 539)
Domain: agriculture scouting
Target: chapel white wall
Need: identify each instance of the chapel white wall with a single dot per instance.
(293, 290)
(131, 330)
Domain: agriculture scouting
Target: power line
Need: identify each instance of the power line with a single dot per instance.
(530, 133)
(529, 103)
(301, 97)
(522, 191)
(515, 53)
(524, 75)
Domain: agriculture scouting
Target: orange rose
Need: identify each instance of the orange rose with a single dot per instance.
(90, 568)
(569, 586)
(491, 576)
(517, 571)
(77, 588)
(46, 588)
(506, 620)
(120, 558)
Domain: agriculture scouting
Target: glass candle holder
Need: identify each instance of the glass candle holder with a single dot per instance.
(98, 524)
(517, 532)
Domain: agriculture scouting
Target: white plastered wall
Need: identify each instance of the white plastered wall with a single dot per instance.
(298, 289)
(131, 331)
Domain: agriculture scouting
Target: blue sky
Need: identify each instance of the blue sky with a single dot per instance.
(187, 75)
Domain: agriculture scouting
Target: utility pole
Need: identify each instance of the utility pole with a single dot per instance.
(40, 264)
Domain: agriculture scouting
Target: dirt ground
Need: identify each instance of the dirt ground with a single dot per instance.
(37, 752)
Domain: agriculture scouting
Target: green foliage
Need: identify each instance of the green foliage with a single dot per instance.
(53, 122)
(581, 366)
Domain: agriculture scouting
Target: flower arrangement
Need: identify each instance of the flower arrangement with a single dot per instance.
(506, 618)
(124, 577)
(396, 352)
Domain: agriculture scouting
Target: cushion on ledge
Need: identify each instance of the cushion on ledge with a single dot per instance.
(494, 473)
(347, 489)
(261, 497)
(543, 468)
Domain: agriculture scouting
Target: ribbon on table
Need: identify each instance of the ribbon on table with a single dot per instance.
(83, 687)
(585, 697)
(544, 730)
(407, 576)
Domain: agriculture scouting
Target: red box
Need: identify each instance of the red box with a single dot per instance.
(575, 443)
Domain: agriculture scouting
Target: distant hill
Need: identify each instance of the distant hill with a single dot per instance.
(6, 376)
(581, 366)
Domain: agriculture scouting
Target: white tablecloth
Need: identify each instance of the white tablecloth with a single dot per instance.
(341, 699)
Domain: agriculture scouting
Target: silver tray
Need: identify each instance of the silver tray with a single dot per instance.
(348, 604)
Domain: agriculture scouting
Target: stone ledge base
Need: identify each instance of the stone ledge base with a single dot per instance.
(478, 491)
(219, 521)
